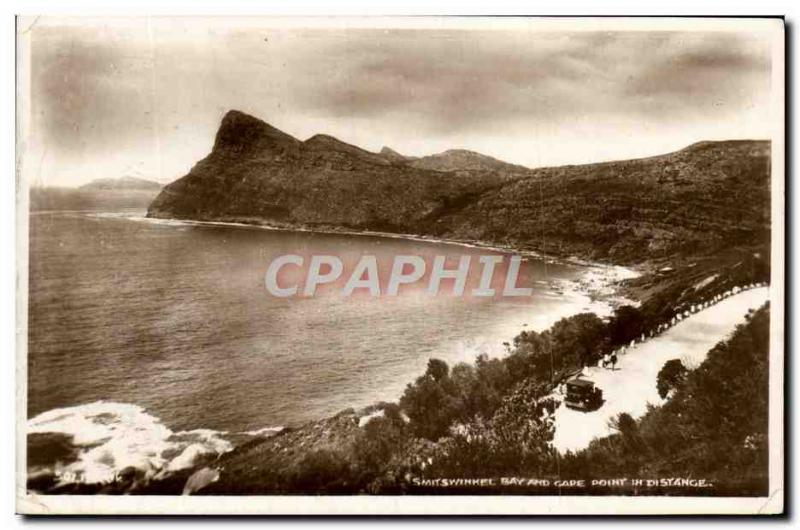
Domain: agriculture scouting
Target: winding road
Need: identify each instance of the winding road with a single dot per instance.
(632, 385)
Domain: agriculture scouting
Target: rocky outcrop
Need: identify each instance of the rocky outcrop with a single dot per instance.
(284, 462)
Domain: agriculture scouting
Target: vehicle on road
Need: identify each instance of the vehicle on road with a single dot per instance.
(583, 395)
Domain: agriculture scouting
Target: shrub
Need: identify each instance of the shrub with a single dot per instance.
(322, 471)
(670, 377)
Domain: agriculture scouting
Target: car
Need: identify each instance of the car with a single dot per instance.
(583, 395)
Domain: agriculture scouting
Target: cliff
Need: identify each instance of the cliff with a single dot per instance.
(256, 172)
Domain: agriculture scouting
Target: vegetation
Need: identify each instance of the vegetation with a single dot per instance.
(671, 377)
(714, 427)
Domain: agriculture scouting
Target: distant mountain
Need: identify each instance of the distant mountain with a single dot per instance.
(709, 196)
(55, 199)
(456, 160)
(463, 160)
(99, 194)
(121, 183)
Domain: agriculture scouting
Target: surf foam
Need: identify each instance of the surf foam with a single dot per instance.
(110, 437)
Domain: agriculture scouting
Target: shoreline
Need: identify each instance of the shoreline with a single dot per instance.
(595, 281)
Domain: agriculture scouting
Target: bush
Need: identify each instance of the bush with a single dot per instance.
(628, 323)
(431, 402)
(670, 377)
(376, 443)
(322, 471)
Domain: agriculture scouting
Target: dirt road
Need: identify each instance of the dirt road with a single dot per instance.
(633, 384)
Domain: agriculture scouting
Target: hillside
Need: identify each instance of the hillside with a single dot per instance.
(699, 200)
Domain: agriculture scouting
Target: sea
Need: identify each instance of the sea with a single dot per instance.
(152, 342)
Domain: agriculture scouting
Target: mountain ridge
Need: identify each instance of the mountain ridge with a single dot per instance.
(706, 196)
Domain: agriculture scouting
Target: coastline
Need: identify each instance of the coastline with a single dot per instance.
(338, 230)
(593, 290)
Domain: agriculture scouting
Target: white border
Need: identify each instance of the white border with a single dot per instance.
(464, 505)
(504, 23)
(777, 281)
(401, 505)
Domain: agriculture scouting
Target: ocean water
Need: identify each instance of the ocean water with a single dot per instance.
(161, 333)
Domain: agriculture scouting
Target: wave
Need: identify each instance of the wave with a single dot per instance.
(96, 443)
(262, 432)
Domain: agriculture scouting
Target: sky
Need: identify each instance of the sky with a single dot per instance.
(144, 97)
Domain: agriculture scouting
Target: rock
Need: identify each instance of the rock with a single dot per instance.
(199, 480)
(41, 480)
(188, 457)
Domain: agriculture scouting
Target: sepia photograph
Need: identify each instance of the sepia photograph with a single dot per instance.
(389, 265)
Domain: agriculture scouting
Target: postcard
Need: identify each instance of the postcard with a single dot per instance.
(430, 265)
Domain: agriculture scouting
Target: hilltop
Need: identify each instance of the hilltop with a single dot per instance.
(702, 199)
